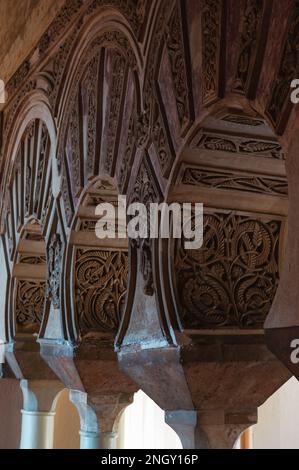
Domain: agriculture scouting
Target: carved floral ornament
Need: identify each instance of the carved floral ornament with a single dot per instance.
(145, 191)
(100, 288)
(29, 303)
(55, 251)
(232, 279)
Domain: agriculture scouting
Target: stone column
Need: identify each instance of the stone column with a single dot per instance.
(89, 426)
(39, 401)
(99, 418)
(209, 430)
(183, 422)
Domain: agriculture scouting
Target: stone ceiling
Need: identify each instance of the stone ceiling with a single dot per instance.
(22, 22)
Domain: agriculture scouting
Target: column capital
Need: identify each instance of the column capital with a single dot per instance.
(99, 417)
(40, 395)
(39, 403)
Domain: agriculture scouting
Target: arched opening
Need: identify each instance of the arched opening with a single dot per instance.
(28, 198)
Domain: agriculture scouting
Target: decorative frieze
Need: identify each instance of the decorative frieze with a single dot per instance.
(234, 181)
(236, 144)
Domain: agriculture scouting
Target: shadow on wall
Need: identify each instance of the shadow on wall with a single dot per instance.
(142, 426)
(67, 424)
(66, 433)
(10, 412)
(278, 418)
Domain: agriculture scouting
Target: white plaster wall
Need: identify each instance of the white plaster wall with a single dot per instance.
(278, 421)
(142, 426)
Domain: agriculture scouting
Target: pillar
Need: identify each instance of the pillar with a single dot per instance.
(99, 418)
(211, 429)
(89, 427)
(38, 413)
(183, 422)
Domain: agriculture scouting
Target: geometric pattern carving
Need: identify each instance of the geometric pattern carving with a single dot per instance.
(29, 303)
(222, 179)
(100, 288)
(240, 145)
(232, 279)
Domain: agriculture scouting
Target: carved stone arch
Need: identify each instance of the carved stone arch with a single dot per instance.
(28, 200)
(145, 314)
(92, 295)
(34, 107)
(234, 164)
(281, 325)
(167, 98)
(28, 192)
(100, 102)
(103, 21)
